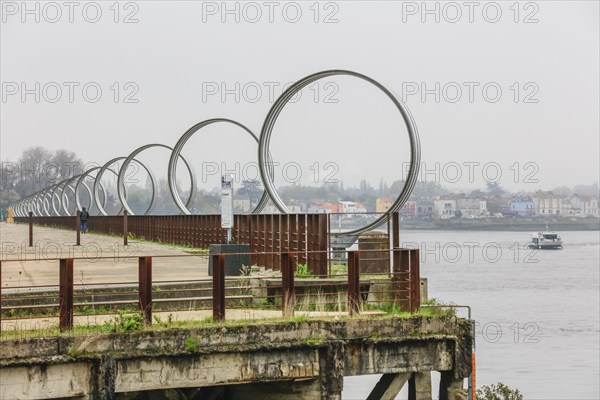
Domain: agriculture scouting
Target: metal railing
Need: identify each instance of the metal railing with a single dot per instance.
(268, 235)
(347, 291)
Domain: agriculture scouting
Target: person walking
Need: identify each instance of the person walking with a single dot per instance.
(83, 218)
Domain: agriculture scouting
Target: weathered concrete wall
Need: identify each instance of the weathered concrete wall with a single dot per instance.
(45, 381)
(297, 357)
(221, 368)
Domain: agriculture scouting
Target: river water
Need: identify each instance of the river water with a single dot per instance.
(537, 311)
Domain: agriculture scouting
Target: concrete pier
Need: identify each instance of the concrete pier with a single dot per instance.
(273, 360)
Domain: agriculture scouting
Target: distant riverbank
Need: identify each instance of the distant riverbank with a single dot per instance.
(505, 224)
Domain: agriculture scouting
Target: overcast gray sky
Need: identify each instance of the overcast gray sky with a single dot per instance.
(493, 86)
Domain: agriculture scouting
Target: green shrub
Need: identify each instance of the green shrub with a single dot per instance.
(302, 270)
(498, 392)
(190, 344)
(125, 322)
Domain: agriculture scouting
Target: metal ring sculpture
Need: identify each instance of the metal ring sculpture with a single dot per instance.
(267, 129)
(131, 156)
(98, 179)
(80, 181)
(176, 154)
(41, 202)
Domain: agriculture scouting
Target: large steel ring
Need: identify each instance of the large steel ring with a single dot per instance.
(64, 195)
(123, 169)
(98, 179)
(271, 118)
(81, 181)
(177, 151)
(54, 195)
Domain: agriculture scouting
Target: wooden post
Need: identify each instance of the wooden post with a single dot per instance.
(353, 283)
(145, 287)
(65, 296)
(287, 285)
(218, 263)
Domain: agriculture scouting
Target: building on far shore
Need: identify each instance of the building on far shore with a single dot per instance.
(425, 209)
(409, 210)
(459, 205)
(586, 206)
(383, 204)
(445, 207)
(294, 209)
(471, 207)
(548, 203)
(522, 206)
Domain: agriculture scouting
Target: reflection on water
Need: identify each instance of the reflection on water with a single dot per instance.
(537, 311)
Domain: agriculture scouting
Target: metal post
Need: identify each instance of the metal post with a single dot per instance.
(353, 283)
(30, 228)
(415, 281)
(78, 228)
(472, 392)
(145, 287)
(287, 284)
(323, 254)
(218, 263)
(400, 278)
(396, 230)
(0, 293)
(65, 296)
(125, 232)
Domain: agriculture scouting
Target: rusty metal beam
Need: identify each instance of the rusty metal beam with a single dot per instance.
(287, 284)
(218, 263)
(353, 282)
(145, 287)
(30, 228)
(415, 280)
(125, 228)
(78, 228)
(65, 295)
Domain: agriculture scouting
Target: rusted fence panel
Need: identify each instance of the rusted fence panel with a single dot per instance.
(268, 235)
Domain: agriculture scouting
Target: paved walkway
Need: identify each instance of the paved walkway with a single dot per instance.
(34, 266)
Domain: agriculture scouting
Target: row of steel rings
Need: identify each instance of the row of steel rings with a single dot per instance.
(54, 200)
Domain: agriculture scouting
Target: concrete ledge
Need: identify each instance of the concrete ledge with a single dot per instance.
(322, 350)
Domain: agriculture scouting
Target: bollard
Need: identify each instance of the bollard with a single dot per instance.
(65, 296)
(145, 287)
(30, 228)
(353, 283)
(218, 263)
(287, 285)
(78, 228)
